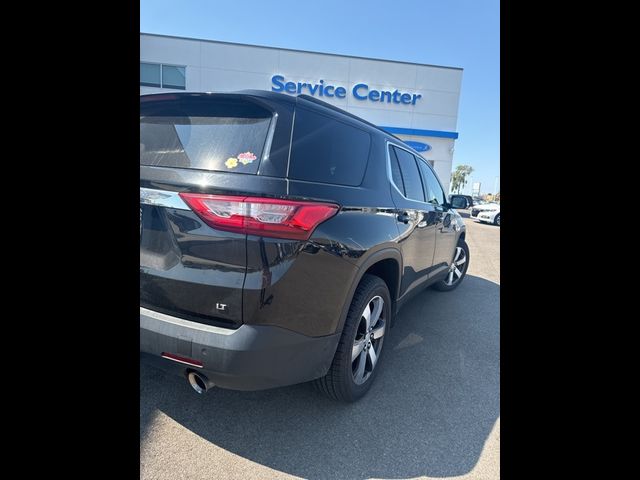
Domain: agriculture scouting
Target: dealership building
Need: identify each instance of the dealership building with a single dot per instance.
(417, 103)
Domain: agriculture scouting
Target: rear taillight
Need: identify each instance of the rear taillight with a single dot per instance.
(267, 217)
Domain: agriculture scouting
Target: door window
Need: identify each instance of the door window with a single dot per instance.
(396, 175)
(410, 175)
(432, 189)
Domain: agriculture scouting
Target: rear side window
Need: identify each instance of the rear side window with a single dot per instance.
(410, 175)
(227, 140)
(327, 150)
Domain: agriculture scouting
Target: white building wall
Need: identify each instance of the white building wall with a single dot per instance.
(217, 66)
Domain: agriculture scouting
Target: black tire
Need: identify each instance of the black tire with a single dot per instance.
(496, 220)
(339, 383)
(442, 284)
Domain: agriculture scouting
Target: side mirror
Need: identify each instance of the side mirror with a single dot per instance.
(459, 202)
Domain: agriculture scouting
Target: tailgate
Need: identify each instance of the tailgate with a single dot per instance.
(224, 144)
(187, 268)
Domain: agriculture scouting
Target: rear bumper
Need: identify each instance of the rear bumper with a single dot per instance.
(252, 357)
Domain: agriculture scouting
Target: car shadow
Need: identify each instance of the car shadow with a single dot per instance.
(430, 411)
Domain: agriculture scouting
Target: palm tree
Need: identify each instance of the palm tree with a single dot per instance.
(459, 177)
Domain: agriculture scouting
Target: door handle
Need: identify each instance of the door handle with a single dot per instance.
(403, 217)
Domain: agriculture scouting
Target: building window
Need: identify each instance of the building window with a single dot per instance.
(162, 76)
(173, 77)
(150, 75)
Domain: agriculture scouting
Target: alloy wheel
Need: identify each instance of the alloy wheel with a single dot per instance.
(368, 342)
(456, 270)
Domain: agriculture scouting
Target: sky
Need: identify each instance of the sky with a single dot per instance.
(457, 33)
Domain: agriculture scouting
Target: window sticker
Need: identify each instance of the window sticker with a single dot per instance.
(246, 158)
(231, 162)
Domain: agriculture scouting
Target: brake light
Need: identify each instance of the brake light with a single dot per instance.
(267, 217)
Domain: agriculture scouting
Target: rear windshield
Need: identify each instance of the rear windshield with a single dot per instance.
(220, 143)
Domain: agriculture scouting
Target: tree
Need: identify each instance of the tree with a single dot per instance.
(459, 177)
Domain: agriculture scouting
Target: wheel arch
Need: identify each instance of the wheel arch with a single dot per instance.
(386, 264)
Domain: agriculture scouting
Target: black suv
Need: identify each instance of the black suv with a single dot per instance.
(279, 236)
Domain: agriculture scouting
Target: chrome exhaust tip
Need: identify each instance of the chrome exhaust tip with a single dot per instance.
(199, 382)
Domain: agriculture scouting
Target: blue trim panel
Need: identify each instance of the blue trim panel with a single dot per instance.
(415, 131)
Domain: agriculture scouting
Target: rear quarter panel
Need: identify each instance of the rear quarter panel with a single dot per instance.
(307, 286)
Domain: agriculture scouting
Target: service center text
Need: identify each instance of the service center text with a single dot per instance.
(360, 91)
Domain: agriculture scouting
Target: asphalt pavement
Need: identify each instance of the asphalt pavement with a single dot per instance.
(433, 412)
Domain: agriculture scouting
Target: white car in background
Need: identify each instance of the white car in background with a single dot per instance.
(489, 213)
